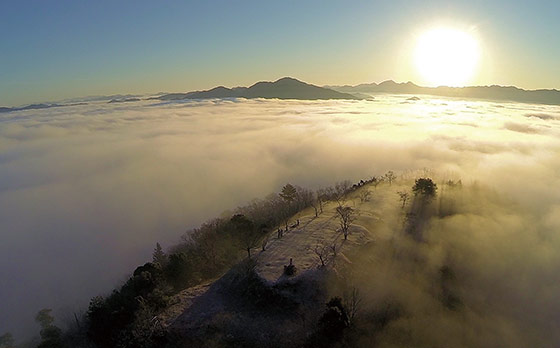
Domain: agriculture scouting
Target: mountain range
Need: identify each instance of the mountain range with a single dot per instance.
(502, 93)
(284, 88)
(290, 88)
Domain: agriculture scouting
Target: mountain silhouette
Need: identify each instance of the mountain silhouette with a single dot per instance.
(124, 100)
(37, 106)
(284, 88)
(30, 107)
(290, 88)
(494, 92)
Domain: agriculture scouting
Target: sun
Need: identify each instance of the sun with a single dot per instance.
(446, 57)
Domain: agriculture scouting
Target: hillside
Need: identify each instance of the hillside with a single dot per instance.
(284, 88)
(504, 93)
(278, 304)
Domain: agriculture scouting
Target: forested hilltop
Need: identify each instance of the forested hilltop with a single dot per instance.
(383, 262)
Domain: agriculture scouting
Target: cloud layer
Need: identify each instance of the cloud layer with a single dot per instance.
(86, 191)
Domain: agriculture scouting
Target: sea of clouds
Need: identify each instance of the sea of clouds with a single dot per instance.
(87, 190)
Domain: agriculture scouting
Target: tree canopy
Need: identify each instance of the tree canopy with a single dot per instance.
(288, 193)
(425, 187)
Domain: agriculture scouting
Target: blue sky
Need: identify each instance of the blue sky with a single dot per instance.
(56, 50)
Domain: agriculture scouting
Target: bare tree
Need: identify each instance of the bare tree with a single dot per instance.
(346, 215)
(403, 197)
(250, 240)
(317, 200)
(322, 197)
(340, 190)
(246, 233)
(365, 195)
(322, 250)
(334, 248)
(287, 213)
(390, 176)
(352, 301)
(376, 181)
(304, 198)
(316, 204)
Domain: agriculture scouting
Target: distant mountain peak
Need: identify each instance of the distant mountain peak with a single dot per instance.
(287, 79)
(388, 82)
(281, 81)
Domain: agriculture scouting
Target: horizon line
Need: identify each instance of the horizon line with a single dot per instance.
(329, 86)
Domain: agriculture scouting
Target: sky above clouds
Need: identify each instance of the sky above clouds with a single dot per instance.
(57, 50)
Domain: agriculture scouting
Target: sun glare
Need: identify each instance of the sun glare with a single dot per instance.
(446, 57)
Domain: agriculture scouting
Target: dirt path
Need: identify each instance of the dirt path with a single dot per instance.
(298, 243)
(376, 220)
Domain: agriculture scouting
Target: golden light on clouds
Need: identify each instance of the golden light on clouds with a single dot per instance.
(446, 57)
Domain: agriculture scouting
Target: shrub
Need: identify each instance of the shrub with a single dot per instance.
(290, 269)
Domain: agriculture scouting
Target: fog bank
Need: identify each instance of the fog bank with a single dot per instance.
(86, 191)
